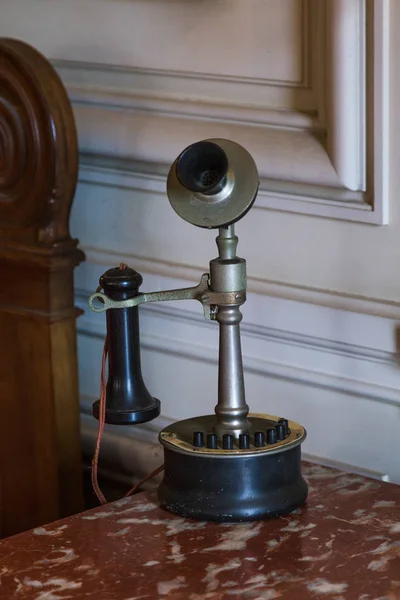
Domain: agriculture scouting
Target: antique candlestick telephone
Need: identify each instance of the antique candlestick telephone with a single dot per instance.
(232, 465)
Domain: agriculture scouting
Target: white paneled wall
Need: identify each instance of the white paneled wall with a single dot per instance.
(304, 85)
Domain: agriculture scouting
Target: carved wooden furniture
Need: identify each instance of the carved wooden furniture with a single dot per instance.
(40, 456)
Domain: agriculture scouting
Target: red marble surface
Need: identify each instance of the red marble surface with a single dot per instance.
(343, 544)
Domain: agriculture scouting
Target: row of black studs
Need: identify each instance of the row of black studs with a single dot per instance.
(272, 435)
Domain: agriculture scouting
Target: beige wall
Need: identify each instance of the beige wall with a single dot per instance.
(286, 79)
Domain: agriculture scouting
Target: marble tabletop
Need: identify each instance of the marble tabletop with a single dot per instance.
(343, 544)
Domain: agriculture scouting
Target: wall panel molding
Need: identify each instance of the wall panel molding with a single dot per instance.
(315, 162)
(350, 368)
(346, 91)
(273, 289)
(136, 176)
(351, 386)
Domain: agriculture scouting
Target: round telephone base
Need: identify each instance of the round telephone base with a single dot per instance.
(242, 488)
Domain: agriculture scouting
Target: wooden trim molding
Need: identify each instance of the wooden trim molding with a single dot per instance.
(329, 162)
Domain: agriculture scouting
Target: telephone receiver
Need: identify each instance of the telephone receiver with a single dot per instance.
(231, 465)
